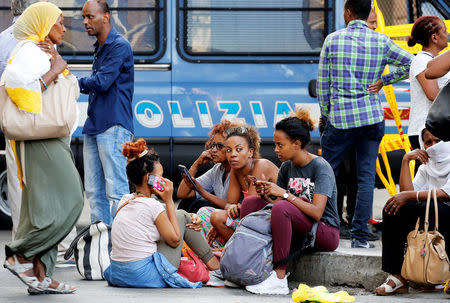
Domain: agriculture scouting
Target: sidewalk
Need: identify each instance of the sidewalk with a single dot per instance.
(13, 291)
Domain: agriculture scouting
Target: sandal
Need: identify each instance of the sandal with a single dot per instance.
(386, 290)
(44, 288)
(431, 288)
(447, 287)
(18, 270)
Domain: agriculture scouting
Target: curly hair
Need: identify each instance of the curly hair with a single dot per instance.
(298, 126)
(220, 129)
(249, 133)
(423, 29)
(140, 160)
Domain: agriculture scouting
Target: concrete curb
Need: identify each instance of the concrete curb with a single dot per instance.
(345, 266)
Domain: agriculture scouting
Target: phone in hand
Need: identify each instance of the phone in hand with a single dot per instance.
(153, 182)
(185, 171)
(252, 179)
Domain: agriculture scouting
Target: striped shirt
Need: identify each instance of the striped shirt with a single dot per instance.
(351, 60)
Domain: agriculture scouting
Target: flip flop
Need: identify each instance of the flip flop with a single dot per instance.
(44, 288)
(18, 269)
(388, 290)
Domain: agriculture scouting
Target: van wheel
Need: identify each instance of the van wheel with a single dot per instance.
(5, 212)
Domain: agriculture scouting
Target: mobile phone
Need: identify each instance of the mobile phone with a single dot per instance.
(252, 179)
(185, 171)
(153, 182)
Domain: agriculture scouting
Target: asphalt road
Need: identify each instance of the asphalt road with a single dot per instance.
(12, 290)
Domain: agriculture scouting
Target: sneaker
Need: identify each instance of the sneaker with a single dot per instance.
(216, 279)
(271, 286)
(231, 284)
(361, 244)
(344, 232)
(373, 237)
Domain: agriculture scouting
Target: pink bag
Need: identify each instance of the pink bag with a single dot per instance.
(193, 269)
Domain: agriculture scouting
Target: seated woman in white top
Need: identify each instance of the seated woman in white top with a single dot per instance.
(401, 211)
(146, 238)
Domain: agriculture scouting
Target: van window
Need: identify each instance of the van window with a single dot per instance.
(253, 27)
(5, 14)
(428, 9)
(139, 21)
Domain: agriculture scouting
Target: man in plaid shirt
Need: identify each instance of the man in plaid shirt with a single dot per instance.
(351, 63)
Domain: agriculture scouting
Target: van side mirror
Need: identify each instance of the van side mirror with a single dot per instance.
(312, 88)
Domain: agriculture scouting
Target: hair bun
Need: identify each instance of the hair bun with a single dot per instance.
(411, 41)
(304, 115)
(132, 150)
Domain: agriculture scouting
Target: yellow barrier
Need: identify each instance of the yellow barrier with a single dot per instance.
(390, 143)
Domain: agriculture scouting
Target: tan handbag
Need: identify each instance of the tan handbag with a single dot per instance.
(426, 261)
(58, 115)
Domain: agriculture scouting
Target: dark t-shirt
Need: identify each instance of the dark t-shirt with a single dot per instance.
(315, 177)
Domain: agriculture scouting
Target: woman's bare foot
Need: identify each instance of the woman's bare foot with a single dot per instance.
(21, 260)
(394, 284)
(23, 269)
(50, 286)
(47, 283)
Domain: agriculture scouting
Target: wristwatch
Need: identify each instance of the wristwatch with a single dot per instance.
(286, 195)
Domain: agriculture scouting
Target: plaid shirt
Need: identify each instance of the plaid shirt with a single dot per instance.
(351, 60)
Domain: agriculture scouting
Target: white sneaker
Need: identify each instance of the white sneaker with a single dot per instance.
(271, 286)
(216, 279)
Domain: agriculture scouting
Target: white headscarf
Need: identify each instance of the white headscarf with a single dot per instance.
(439, 164)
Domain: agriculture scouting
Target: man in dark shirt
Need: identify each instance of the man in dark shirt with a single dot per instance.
(109, 118)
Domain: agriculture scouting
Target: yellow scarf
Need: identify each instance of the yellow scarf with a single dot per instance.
(34, 24)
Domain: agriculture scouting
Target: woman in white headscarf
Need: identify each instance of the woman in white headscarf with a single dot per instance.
(401, 211)
(52, 196)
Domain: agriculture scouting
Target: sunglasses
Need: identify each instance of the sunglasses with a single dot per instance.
(217, 145)
(238, 130)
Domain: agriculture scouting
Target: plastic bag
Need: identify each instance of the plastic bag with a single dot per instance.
(320, 294)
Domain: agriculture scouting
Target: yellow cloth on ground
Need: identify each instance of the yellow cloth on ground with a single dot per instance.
(28, 62)
(320, 294)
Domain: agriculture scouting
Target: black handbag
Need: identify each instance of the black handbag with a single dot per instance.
(438, 119)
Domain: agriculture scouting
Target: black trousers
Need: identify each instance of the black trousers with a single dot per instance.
(347, 185)
(396, 228)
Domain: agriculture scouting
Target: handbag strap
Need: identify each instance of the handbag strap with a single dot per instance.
(126, 202)
(436, 211)
(427, 211)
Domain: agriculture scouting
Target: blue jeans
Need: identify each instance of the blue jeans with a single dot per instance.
(335, 143)
(105, 177)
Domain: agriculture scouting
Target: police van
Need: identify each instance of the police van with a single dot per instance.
(200, 61)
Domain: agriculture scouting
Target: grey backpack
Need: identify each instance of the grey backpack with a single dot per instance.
(247, 256)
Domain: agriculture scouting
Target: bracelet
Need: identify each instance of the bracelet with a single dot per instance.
(417, 197)
(43, 83)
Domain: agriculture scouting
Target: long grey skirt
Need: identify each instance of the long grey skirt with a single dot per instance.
(52, 199)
